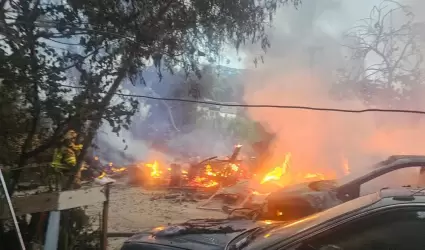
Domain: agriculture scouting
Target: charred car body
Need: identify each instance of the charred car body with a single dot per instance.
(364, 223)
(202, 234)
(297, 201)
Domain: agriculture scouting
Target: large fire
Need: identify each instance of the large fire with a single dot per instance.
(284, 174)
(155, 171)
(278, 172)
(214, 175)
(208, 176)
(203, 182)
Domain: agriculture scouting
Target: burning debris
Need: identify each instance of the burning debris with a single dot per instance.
(225, 184)
(209, 173)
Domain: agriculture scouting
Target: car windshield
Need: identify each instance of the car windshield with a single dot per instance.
(360, 173)
(275, 235)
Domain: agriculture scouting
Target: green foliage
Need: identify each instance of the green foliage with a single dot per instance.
(12, 125)
(106, 42)
(62, 62)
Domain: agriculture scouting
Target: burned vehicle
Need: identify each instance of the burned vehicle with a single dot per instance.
(300, 200)
(203, 234)
(367, 222)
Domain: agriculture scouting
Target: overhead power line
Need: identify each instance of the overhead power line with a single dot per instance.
(232, 104)
(263, 105)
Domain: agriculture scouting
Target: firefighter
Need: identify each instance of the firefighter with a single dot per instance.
(65, 158)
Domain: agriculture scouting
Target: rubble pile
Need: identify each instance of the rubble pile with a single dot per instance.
(211, 173)
(221, 184)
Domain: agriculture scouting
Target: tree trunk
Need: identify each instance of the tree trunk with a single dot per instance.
(95, 124)
(16, 174)
(36, 110)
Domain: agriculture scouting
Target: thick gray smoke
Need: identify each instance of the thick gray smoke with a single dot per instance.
(161, 129)
(300, 69)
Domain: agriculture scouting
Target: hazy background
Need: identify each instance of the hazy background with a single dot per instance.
(300, 69)
(320, 140)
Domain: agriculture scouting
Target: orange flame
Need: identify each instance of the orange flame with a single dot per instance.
(155, 171)
(346, 166)
(117, 170)
(202, 181)
(314, 176)
(283, 177)
(278, 172)
(210, 176)
(209, 171)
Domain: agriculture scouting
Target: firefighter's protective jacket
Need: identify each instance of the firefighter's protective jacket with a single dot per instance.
(65, 157)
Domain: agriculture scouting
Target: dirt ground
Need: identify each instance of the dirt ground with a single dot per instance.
(131, 210)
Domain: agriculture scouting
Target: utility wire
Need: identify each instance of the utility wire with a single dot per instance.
(213, 103)
(232, 104)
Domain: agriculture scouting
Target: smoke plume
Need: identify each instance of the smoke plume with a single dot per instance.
(320, 141)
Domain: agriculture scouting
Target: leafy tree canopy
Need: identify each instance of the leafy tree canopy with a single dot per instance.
(62, 63)
(65, 60)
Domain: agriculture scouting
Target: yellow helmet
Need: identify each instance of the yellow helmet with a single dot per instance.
(70, 135)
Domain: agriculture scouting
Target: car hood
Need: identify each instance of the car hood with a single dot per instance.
(318, 194)
(209, 234)
(297, 188)
(322, 185)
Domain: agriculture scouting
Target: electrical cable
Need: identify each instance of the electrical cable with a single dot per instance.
(258, 105)
(411, 111)
(241, 105)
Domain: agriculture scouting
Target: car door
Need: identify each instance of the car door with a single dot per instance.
(394, 179)
(397, 175)
(393, 229)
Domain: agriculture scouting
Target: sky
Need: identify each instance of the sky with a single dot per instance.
(333, 23)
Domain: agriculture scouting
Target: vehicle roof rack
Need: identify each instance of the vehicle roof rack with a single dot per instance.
(404, 198)
(409, 197)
